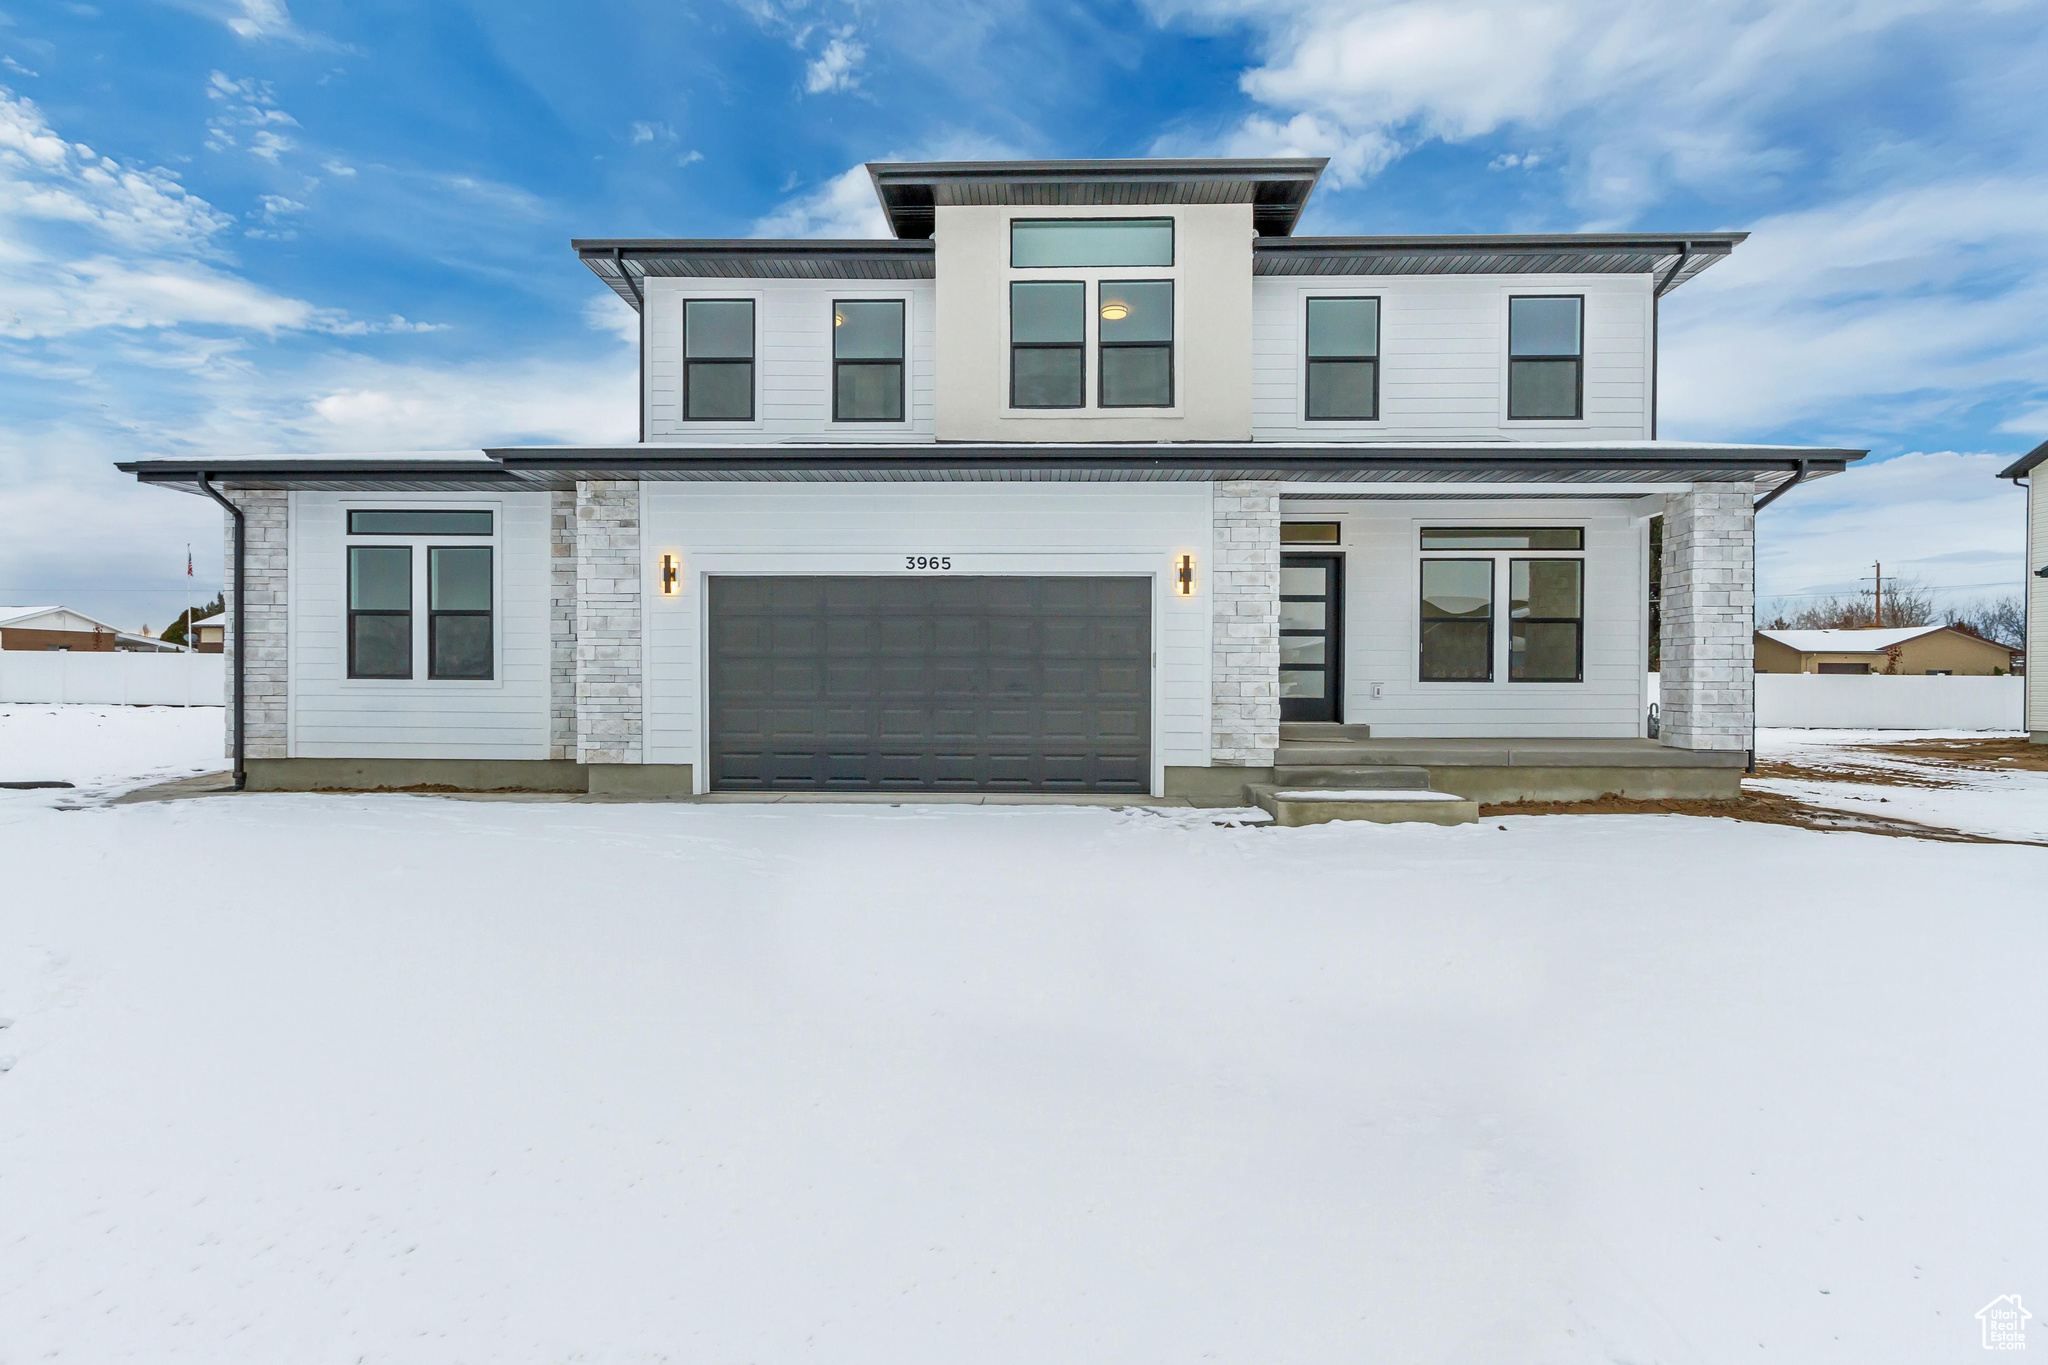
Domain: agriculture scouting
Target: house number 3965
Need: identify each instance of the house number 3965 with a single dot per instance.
(927, 561)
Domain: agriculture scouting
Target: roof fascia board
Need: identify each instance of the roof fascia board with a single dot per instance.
(2026, 464)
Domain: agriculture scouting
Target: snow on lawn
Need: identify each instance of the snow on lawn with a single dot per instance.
(93, 746)
(412, 1079)
(2006, 805)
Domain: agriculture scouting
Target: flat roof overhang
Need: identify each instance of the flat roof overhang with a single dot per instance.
(1771, 468)
(1277, 188)
(2026, 464)
(1672, 258)
(625, 263)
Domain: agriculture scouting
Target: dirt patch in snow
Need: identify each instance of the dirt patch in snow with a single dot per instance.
(1865, 775)
(2004, 754)
(1758, 807)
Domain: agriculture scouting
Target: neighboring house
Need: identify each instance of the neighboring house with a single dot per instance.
(1914, 650)
(1090, 479)
(60, 628)
(208, 634)
(2021, 473)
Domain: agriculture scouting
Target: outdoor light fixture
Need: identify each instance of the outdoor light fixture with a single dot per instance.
(838, 319)
(1184, 575)
(1115, 311)
(670, 571)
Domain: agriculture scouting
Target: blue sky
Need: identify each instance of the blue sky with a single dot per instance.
(240, 225)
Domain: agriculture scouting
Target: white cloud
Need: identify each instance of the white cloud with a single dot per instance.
(45, 179)
(836, 69)
(338, 169)
(607, 312)
(246, 105)
(653, 132)
(844, 206)
(263, 19)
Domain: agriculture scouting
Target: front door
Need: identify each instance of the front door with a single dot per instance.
(1311, 637)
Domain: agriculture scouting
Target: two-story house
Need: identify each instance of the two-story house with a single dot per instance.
(1094, 478)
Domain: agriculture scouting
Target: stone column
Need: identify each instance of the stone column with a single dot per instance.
(1244, 590)
(1708, 672)
(266, 528)
(562, 625)
(608, 573)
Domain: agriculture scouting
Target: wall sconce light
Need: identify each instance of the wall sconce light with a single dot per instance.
(671, 570)
(1184, 575)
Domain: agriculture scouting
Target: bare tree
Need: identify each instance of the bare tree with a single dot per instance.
(2001, 620)
(1907, 602)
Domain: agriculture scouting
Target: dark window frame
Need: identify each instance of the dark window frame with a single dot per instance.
(1578, 361)
(1578, 622)
(753, 375)
(411, 670)
(901, 362)
(1103, 347)
(1424, 618)
(1015, 346)
(1331, 560)
(355, 512)
(1172, 239)
(1575, 529)
(1309, 359)
(489, 613)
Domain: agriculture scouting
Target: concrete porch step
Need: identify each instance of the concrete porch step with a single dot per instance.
(1293, 807)
(1293, 753)
(1374, 775)
(1320, 732)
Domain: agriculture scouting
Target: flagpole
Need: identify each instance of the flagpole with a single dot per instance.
(191, 645)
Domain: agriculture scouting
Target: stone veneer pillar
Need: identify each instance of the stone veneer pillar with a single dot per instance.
(1709, 617)
(1244, 590)
(608, 570)
(266, 526)
(562, 625)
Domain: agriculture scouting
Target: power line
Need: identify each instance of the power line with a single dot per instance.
(1864, 592)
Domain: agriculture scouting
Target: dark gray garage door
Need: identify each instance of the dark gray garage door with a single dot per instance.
(943, 683)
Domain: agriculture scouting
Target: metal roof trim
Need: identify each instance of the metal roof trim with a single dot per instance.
(2026, 463)
(613, 259)
(1673, 258)
(1278, 188)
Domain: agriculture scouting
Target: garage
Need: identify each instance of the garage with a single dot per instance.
(930, 683)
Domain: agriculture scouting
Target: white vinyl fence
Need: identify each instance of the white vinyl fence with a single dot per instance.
(130, 679)
(1819, 701)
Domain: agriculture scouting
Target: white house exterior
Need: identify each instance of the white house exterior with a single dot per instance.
(2021, 472)
(1088, 480)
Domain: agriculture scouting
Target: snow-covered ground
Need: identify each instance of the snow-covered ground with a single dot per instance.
(2006, 805)
(108, 746)
(408, 1079)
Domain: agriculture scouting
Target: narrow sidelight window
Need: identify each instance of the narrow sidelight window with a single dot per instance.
(1048, 334)
(867, 360)
(718, 360)
(1343, 360)
(1136, 336)
(1546, 620)
(459, 611)
(1457, 620)
(380, 611)
(1087, 243)
(1546, 357)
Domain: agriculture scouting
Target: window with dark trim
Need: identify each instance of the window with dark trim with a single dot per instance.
(459, 611)
(1134, 334)
(1546, 357)
(1090, 243)
(1311, 532)
(1546, 620)
(1048, 341)
(1503, 537)
(417, 522)
(1343, 379)
(718, 360)
(380, 611)
(1457, 620)
(867, 360)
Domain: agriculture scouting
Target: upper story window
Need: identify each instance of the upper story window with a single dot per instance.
(1109, 243)
(1048, 338)
(718, 360)
(1343, 360)
(1135, 337)
(1546, 357)
(867, 360)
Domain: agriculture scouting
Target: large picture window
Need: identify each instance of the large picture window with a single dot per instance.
(718, 360)
(1048, 339)
(1135, 333)
(1087, 243)
(1343, 380)
(380, 611)
(1546, 357)
(1546, 620)
(867, 360)
(459, 611)
(1457, 620)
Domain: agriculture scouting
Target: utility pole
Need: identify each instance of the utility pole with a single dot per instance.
(1877, 597)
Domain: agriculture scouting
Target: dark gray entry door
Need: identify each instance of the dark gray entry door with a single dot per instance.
(939, 684)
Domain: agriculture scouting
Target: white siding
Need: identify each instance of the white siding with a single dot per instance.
(1443, 357)
(792, 360)
(1023, 529)
(2037, 604)
(1382, 586)
(334, 716)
